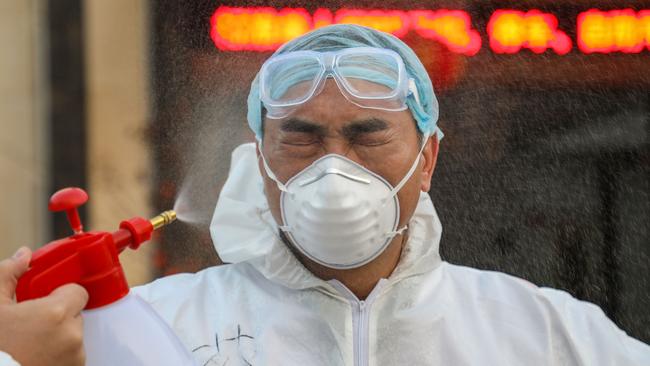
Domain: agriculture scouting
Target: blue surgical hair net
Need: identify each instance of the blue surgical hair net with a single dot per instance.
(340, 36)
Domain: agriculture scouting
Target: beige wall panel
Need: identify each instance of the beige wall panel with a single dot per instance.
(119, 163)
(23, 163)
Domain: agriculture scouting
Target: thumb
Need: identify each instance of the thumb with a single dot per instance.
(10, 271)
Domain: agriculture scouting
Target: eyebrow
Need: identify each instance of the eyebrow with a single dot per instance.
(303, 126)
(350, 131)
(370, 125)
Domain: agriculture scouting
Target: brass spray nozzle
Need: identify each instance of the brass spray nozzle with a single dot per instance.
(163, 219)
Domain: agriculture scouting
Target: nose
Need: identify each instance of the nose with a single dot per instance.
(340, 146)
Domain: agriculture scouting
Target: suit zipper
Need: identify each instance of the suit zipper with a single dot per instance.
(360, 320)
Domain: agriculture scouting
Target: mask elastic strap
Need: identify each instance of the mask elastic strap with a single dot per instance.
(394, 191)
(269, 172)
(412, 169)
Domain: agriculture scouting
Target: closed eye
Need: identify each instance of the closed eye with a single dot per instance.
(300, 141)
(372, 139)
(368, 132)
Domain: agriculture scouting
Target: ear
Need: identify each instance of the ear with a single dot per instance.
(429, 159)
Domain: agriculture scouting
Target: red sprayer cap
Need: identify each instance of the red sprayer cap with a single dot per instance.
(89, 259)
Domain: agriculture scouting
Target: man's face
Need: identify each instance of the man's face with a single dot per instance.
(384, 142)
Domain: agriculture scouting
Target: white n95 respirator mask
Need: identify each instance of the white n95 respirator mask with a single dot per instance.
(338, 213)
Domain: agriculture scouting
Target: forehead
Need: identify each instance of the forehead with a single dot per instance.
(332, 111)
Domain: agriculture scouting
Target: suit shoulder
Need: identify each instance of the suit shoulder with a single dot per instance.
(176, 287)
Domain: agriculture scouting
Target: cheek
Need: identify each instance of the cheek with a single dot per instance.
(285, 162)
(391, 160)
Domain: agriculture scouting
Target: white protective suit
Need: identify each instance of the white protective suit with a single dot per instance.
(267, 309)
(7, 360)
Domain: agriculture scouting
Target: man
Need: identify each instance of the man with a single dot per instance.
(334, 242)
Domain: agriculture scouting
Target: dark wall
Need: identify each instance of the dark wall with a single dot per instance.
(67, 107)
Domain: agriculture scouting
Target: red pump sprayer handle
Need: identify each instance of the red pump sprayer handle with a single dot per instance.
(89, 259)
(68, 200)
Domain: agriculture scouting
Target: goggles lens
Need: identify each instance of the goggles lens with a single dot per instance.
(290, 81)
(368, 77)
(380, 73)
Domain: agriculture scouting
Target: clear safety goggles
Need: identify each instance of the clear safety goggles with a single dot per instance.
(368, 77)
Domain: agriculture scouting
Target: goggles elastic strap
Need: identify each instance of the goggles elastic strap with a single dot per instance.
(414, 90)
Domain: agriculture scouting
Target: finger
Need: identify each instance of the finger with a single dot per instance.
(10, 271)
(71, 296)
